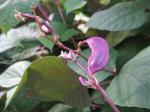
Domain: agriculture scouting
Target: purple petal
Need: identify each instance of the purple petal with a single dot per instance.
(99, 56)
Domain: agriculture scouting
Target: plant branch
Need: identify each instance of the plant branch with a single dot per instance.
(106, 97)
(43, 12)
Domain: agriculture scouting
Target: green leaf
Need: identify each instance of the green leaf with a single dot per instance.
(72, 5)
(28, 53)
(114, 38)
(68, 34)
(122, 16)
(131, 87)
(128, 49)
(46, 42)
(59, 27)
(14, 37)
(101, 75)
(107, 108)
(12, 76)
(7, 12)
(49, 79)
(63, 108)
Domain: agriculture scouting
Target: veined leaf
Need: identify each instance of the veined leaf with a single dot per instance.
(7, 12)
(131, 87)
(122, 16)
(72, 5)
(49, 79)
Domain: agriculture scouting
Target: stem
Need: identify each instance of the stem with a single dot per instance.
(80, 65)
(106, 97)
(43, 12)
(59, 10)
(28, 16)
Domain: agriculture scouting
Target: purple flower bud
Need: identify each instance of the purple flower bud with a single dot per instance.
(99, 56)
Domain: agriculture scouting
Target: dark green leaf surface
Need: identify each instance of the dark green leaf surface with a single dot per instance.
(46, 42)
(122, 16)
(68, 34)
(131, 87)
(8, 9)
(114, 38)
(72, 5)
(49, 79)
(63, 108)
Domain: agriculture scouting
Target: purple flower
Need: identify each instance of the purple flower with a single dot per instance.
(99, 56)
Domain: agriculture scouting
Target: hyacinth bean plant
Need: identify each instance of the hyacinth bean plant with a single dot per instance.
(73, 56)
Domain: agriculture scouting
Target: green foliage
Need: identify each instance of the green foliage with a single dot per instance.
(131, 87)
(42, 77)
(8, 9)
(72, 5)
(63, 30)
(68, 34)
(114, 38)
(14, 37)
(11, 78)
(122, 16)
(30, 81)
(46, 43)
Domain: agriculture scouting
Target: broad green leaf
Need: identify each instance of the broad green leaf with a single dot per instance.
(72, 5)
(107, 108)
(14, 37)
(59, 27)
(46, 42)
(7, 12)
(131, 87)
(9, 96)
(12, 76)
(101, 75)
(122, 16)
(68, 34)
(20, 103)
(49, 79)
(63, 108)
(114, 38)
(128, 49)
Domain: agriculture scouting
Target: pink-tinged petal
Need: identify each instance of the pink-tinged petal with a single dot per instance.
(99, 56)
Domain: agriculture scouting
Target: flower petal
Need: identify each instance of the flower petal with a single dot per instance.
(99, 56)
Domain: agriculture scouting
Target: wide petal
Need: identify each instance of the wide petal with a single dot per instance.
(99, 56)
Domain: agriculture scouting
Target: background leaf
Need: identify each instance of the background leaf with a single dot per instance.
(122, 16)
(114, 38)
(68, 34)
(14, 37)
(48, 79)
(72, 5)
(7, 12)
(131, 87)
(12, 76)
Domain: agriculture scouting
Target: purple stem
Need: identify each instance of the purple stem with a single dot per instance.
(28, 16)
(81, 66)
(106, 97)
(43, 12)
(59, 10)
